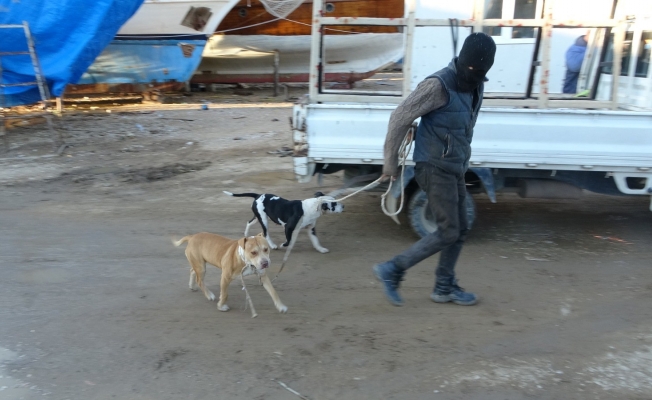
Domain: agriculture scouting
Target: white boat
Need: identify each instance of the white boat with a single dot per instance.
(249, 58)
(244, 47)
(160, 46)
(163, 18)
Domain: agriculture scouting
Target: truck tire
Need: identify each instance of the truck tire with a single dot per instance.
(421, 220)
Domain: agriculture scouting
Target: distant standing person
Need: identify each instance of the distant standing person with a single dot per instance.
(574, 58)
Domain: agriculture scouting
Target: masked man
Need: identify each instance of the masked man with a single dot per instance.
(448, 103)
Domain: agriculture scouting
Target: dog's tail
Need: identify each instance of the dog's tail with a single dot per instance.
(181, 241)
(254, 195)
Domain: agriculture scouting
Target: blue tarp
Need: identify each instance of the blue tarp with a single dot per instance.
(68, 36)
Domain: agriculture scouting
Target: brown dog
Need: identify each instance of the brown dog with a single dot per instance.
(250, 254)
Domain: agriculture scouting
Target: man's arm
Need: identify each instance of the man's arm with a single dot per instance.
(429, 95)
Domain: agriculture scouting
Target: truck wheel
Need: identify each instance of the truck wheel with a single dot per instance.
(421, 219)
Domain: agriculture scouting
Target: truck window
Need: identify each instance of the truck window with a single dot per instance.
(524, 9)
(642, 56)
(493, 9)
(643, 61)
(627, 54)
(511, 9)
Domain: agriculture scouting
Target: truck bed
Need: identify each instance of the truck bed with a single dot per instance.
(614, 141)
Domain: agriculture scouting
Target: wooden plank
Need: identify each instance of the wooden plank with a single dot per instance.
(256, 14)
(527, 23)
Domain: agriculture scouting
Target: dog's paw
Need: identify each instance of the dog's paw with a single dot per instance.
(323, 250)
(210, 296)
(193, 289)
(223, 308)
(282, 309)
(273, 246)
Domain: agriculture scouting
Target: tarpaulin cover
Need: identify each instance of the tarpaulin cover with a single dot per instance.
(68, 36)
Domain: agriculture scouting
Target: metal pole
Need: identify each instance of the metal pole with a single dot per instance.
(589, 60)
(2, 88)
(619, 39)
(276, 62)
(42, 85)
(478, 15)
(3, 132)
(633, 60)
(535, 59)
(546, 34)
(603, 53)
(409, 48)
(37, 66)
(315, 50)
(649, 83)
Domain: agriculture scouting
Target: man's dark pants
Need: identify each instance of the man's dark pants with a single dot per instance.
(447, 203)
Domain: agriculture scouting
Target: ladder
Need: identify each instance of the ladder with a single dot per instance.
(6, 114)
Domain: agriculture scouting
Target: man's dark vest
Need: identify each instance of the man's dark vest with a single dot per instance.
(444, 135)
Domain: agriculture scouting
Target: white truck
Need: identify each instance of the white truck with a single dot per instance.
(528, 138)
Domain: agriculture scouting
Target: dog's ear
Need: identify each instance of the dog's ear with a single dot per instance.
(319, 194)
(261, 235)
(241, 248)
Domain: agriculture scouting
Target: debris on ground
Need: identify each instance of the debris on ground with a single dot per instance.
(282, 152)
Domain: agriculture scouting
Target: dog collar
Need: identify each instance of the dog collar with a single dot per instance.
(249, 265)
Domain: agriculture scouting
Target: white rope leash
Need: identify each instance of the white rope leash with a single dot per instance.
(403, 153)
(244, 287)
(289, 248)
(248, 298)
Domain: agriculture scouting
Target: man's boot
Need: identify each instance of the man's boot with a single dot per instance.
(390, 276)
(447, 290)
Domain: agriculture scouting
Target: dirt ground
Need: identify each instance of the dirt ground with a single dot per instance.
(95, 303)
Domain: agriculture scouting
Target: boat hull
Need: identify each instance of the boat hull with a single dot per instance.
(171, 17)
(159, 47)
(141, 64)
(249, 58)
(242, 50)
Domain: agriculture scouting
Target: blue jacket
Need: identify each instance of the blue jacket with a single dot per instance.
(444, 135)
(575, 55)
(574, 58)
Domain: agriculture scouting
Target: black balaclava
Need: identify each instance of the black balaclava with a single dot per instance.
(474, 61)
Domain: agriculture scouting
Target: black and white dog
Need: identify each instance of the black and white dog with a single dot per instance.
(293, 215)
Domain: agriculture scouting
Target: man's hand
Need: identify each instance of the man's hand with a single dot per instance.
(384, 178)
